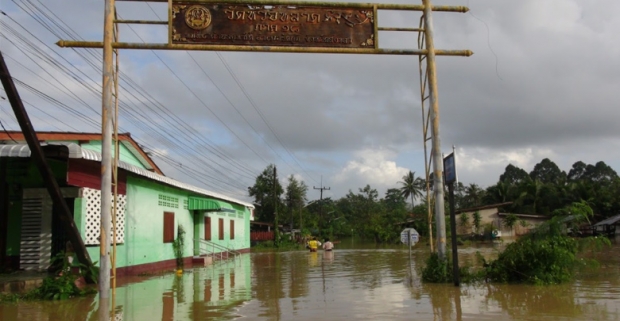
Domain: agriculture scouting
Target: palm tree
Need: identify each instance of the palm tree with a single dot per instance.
(412, 187)
(531, 193)
(474, 195)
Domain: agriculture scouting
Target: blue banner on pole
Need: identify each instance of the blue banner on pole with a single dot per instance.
(449, 169)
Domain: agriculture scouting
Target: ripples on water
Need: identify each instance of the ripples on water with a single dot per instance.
(355, 282)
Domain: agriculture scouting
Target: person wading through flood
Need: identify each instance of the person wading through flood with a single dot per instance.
(328, 245)
(313, 244)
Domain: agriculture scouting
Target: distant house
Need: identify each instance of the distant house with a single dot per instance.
(490, 214)
(151, 206)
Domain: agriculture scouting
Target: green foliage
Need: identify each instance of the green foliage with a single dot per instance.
(295, 197)
(474, 195)
(464, 222)
(544, 261)
(546, 256)
(440, 271)
(61, 286)
(412, 187)
(477, 218)
(547, 188)
(90, 273)
(178, 246)
(510, 221)
(266, 199)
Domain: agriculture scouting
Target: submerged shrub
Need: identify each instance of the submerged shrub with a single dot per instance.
(439, 270)
(539, 261)
(545, 256)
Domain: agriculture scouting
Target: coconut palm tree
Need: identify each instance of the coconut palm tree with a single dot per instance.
(411, 187)
(474, 195)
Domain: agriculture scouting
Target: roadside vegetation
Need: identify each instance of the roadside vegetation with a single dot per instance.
(62, 284)
(545, 256)
(366, 214)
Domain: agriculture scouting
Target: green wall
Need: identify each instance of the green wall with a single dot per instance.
(144, 224)
(143, 241)
(125, 154)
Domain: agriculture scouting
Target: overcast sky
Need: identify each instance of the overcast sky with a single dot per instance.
(543, 82)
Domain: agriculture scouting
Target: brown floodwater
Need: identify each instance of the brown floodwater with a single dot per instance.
(357, 281)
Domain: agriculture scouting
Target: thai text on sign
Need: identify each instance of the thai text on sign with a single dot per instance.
(226, 24)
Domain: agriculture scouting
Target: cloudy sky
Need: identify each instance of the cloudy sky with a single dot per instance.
(543, 82)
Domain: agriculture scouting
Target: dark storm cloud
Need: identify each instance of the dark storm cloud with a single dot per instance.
(542, 83)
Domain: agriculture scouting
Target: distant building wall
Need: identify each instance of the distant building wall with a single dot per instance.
(496, 219)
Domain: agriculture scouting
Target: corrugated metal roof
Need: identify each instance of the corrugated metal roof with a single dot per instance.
(75, 151)
(609, 221)
(17, 150)
(208, 204)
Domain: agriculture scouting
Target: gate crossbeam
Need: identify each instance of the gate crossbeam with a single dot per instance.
(384, 6)
(166, 46)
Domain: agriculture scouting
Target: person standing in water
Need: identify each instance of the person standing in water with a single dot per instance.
(328, 245)
(313, 244)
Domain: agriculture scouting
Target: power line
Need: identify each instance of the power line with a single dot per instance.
(76, 78)
(249, 98)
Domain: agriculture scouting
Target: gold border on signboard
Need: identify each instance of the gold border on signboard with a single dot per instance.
(366, 39)
(376, 25)
(169, 22)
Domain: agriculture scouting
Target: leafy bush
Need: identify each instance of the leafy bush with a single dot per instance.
(440, 271)
(545, 256)
(178, 246)
(60, 286)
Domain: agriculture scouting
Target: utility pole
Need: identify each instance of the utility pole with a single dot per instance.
(438, 185)
(107, 109)
(322, 188)
(276, 232)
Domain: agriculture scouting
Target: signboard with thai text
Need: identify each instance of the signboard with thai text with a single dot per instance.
(449, 168)
(409, 236)
(277, 25)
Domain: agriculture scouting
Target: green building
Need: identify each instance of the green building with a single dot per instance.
(151, 208)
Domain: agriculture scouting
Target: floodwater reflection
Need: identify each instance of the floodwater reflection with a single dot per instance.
(360, 282)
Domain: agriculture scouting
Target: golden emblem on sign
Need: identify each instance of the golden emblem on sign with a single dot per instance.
(197, 17)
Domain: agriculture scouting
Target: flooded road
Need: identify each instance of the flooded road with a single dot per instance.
(355, 282)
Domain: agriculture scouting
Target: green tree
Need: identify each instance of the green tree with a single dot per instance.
(513, 175)
(577, 172)
(295, 197)
(412, 187)
(498, 193)
(548, 172)
(523, 223)
(395, 200)
(531, 193)
(510, 221)
(474, 195)
(263, 193)
(477, 220)
(464, 222)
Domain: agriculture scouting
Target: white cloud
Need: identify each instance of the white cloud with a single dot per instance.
(374, 167)
(538, 91)
(484, 165)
